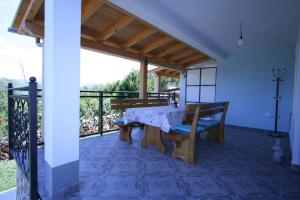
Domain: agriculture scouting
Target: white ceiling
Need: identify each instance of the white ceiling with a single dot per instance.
(215, 23)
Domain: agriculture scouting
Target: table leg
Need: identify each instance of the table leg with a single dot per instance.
(152, 136)
(125, 133)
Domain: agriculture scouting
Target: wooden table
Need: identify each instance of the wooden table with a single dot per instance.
(157, 119)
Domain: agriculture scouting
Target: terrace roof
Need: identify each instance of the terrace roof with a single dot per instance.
(110, 29)
(161, 71)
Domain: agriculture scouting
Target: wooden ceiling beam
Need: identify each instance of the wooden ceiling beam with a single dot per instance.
(170, 50)
(113, 48)
(87, 34)
(34, 30)
(28, 6)
(190, 58)
(139, 37)
(181, 54)
(116, 27)
(37, 30)
(161, 68)
(34, 9)
(157, 43)
(199, 60)
(172, 72)
(90, 9)
(168, 75)
(99, 46)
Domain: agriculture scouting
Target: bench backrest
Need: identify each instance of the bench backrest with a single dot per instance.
(157, 102)
(122, 104)
(193, 112)
(206, 110)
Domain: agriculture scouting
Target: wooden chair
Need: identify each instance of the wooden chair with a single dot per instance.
(122, 104)
(184, 136)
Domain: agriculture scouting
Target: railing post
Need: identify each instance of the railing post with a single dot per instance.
(10, 104)
(100, 113)
(32, 91)
(174, 96)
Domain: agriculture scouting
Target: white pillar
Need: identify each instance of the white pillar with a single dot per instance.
(61, 90)
(295, 128)
(182, 87)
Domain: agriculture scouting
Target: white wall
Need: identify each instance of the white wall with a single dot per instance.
(295, 130)
(245, 80)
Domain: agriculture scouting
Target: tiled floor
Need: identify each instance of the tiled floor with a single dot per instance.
(239, 169)
(8, 194)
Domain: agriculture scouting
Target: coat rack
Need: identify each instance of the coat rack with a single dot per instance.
(278, 77)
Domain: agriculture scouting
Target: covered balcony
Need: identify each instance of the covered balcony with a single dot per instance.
(215, 62)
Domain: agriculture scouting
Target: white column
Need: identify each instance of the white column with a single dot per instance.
(182, 87)
(61, 90)
(295, 128)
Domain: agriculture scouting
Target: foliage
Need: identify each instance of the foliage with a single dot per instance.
(129, 83)
(165, 82)
(89, 107)
(7, 175)
(3, 104)
(3, 107)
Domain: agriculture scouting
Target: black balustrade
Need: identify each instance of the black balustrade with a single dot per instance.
(96, 115)
(24, 122)
(22, 131)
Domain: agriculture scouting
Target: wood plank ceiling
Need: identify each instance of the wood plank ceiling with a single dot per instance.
(109, 29)
(161, 71)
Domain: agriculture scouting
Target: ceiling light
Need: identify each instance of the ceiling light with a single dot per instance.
(240, 41)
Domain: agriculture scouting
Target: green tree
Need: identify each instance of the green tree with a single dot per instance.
(3, 107)
(131, 83)
(165, 82)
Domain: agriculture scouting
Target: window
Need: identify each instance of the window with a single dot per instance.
(200, 85)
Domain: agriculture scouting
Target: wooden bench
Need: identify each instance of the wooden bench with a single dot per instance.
(156, 102)
(122, 104)
(184, 136)
(214, 127)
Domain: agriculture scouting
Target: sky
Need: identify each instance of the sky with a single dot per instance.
(19, 54)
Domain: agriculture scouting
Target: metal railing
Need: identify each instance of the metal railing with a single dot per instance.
(96, 115)
(22, 131)
(24, 122)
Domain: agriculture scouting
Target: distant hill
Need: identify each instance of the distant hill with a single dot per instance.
(16, 82)
(129, 83)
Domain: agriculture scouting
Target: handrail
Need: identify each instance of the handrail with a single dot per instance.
(22, 132)
(100, 111)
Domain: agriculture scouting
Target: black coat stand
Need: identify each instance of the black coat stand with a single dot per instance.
(278, 77)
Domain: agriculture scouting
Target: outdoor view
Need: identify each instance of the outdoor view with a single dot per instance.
(101, 77)
(132, 99)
